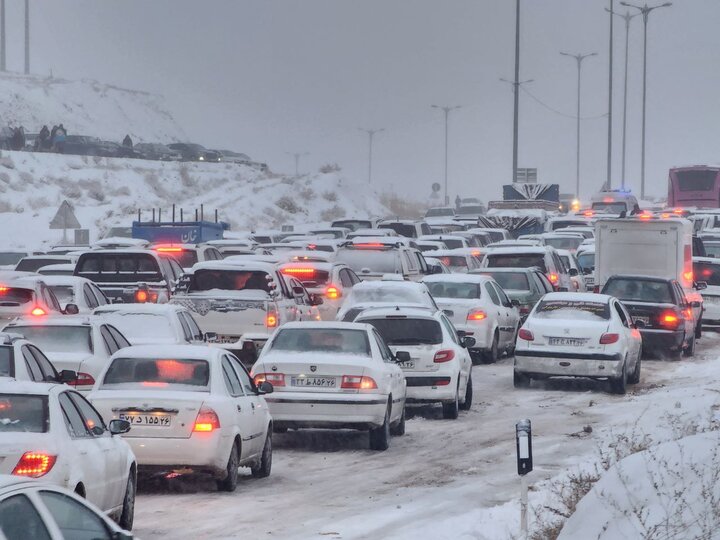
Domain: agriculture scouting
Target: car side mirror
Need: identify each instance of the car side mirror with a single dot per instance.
(587, 271)
(515, 302)
(695, 304)
(265, 388)
(402, 356)
(316, 299)
(573, 272)
(71, 309)
(701, 285)
(298, 291)
(638, 323)
(468, 342)
(210, 336)
(118, 427)
(67, 376)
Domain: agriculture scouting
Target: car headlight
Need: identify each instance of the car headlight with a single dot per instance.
(201, 158)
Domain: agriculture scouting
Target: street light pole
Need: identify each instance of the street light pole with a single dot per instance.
(608, 182)
(645, 11)
(446, 110)
(297, 156)
(27, 37)
(516, 88)
(578, 58)
(2, 36)
(371, 133)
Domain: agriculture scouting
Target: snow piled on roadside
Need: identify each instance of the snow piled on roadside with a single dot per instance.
(107, 192)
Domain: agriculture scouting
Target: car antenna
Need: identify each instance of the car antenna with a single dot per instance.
(397, 308)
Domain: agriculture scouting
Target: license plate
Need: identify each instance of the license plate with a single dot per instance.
(162, 420)
(227, 339)
(571, 342)
(410, 364)
(315, 382)
(711, 299)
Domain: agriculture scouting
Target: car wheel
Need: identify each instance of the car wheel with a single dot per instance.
(491, 356)
(690, 349)
(619, 385)
(465, 406)
(262, 469)
(450, 410)
(521, 380)
(229, 483)
(380, 436)
(476, 356)
(399, 428)
(698, 330)
(635, 376)
(128, 509)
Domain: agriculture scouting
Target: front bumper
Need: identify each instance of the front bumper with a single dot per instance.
(672, 340)
(564, 364)
(327, 410)
(201, 451)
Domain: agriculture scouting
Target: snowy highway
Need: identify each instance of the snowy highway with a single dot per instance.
(328, 485)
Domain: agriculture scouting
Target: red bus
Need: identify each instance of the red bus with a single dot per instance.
(694, 186)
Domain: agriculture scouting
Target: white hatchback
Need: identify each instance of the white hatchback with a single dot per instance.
(76, 290)
(49, 431)
(434, 359)
(191, 408)
(334, 375)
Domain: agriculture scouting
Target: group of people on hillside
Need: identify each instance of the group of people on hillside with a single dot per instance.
(51, 140)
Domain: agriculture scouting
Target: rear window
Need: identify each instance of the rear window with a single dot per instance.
(64, 293)
(381, 261)
(184, 257)
(31, 265)
(7, 366)
(709, 273)
(586, 261)
(22, 413)
(8, 258)
(140, 326)
(639, 290)
(449, 289)
(402, 229)
(470, 210)
(406, 331)
(309, 276)
(322, 340)
(712, 249)
(453, 243)
(10, 296)
(119, 267)
(353, 224)
(567, 223)
(569, 242)
(230, 280)
(436, 212)
(609, 207)
(158, 373)
(515, 281)
(387, 292)
(527, 260)
(577, 310)
(58, 339)
(455, 261)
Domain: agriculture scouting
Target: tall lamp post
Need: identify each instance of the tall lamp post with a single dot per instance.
(297, 156)
(27, 37)
(2, 36)
(645, 11)
(446, 110)
(578, 59)
(371, 134)
(608, 181)
(516, 87)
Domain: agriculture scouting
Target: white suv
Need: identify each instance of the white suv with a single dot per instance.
(372, 258)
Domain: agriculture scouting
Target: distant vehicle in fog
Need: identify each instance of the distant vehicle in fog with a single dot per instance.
(157, 151)
(189, 151)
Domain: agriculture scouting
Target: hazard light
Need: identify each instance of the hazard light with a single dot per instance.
(689, 276)
(333, 293)
(645, 215)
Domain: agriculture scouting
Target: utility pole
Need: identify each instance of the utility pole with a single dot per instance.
(608, 182)
(27, 37)
(516, 89)
(627, 18)
(297, 156)
(3, 64)
(371, 133)
(446, 110)
(578, 59)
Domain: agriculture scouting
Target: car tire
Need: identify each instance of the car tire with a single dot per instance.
(399, 428)
(521, 380)
(698, 330)
(690, 349)
(380, 436)
(229, 483)
(128, 509)
(491, 356)
(477, 356)
(451, 410)
(465, 405)
(634, 377)
(619, 385)
(264, 465)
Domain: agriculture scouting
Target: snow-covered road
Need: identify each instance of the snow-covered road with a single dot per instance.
(443, 479)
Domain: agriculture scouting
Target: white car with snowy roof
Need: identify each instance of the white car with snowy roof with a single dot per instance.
(434, 359)
(372, 258)
(334, 375)
(373, 294)
(81, 292)
(461, 260)
(478, 307)
(26, 296)
(191, 408)
(22, 360)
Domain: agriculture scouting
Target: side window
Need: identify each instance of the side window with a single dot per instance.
(99, 295)
(410, 261)
(621, 314)
(176, 269)
(120, 340)
(46, 367)
(90, 299)
(20, 520)
(90, 416)
(422, 265)
(504, 300)
(353, 277)
(425, 228)
(32, 365)
(681, 294)
(50, 299)
(74, 422)
(385, 351)
(345, 280)
(231, 379)
(451, 329)
(194, 328)
(74, 519)
(545, 282)
(493, 295)
(243, 375)
(110, 345)
(185, 327)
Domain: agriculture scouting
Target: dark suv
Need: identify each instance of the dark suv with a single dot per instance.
(660, 310)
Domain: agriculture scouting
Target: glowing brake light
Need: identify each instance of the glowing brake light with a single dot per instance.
(645, 215)
(206, 420)
(4, 289)
(688, 276)
(477, 315)
(607, 339)
(299, 271)
(373, 245)
(34, 464)
(678, 211)
(271, 320)
(141, 296)
(276, 379)
(588, 213)
(356, 382)
(527, 335)
(554, 278)
(167, 249)
(669, 319)
(444, 356)
(38, 312)
(333, 293)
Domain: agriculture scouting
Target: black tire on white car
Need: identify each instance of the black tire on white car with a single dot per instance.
(380, 436)
(619, 385)
(451, 410)
(229, 483)
(264, 465)
(128, 509)
(491, 355)
(520, 380)
(398, 428)
(465, 405)
(634, 377)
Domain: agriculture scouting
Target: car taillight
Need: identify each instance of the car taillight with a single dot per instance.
(607, 339)
(333, 293)
(82, 379)
(34, 464)
(441, 382)
(576, 285)
(271, 320)
(206, 420)
(276, 379)
(524, 310)
(596, 289)
(527, 335)
(554, 278)
(296, 271)
(669, 319)
(143, 295)
(38, 311)
(356, 382)
(444, 356)
(477, 315)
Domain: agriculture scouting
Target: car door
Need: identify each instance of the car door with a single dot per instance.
(687, 311)
(510, 315)
(393, 374)
(462, 353)
(242, 410)
(633, 337)
(495, 311)
(260, 413)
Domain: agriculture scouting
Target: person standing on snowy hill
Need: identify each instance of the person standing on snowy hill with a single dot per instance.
(59, 139)
(43, 140)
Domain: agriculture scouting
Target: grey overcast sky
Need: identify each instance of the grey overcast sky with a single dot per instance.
(273, 76)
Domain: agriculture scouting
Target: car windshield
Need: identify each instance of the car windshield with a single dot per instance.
(32, 264)
(23, 413)
(520, 260)
(572, 310)
(454, 262)
(230, 280)
(380, 261)
(322, 340)
(564, 242)
(403, 229)
(58, 339)
(609, 207)
(515, 281)
(8, 258)
(7, 368)
(586, 261)
(639, 290)
(158, 374)
(453, 289)
(142, 327)
(65, 294)
(707, 272)
(11, 296)
(408, 331)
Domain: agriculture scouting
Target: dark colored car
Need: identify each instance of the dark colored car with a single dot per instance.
(660, 310)
(157, 152)
(213, 156)
(189, 151)
(81, 145)
(526, 286)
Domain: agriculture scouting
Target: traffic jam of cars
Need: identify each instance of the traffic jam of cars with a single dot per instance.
(150, 357)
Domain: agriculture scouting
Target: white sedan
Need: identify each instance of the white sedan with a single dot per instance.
(76, 290)
(191, 408)
(385, 293)
(579, 335)
(334, 375)
(23, 361)
(49, 431)
(479, 307)
(435, 361)
(153, 324)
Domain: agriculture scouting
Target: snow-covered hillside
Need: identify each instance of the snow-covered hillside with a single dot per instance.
(85, 108)
(108, 192)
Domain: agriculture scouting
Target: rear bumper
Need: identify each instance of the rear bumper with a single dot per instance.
(201, 451)
(662, 339)
(327, 410)
(563, 364)
(430, 387)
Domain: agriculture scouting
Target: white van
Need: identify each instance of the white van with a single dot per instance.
(613, 202)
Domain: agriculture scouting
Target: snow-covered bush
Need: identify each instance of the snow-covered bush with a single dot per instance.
(288, 204)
